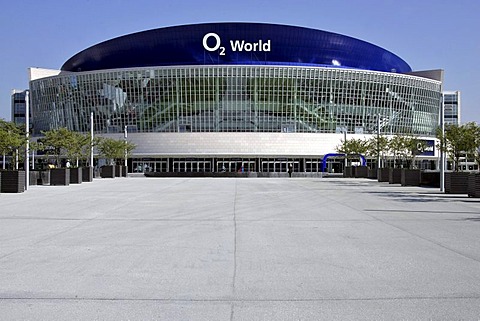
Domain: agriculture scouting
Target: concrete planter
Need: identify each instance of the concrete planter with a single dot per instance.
(474, 185)
(87, 174)
(118, 170)
(361, 171)
(348, 171)
(44, 178)
(12, 182)
(107, 171)
(372, 173)
(383, 174)
(60, 176)
(410, 177)
(34, 177)
(395, 175)
(76, 176)
(456, 182)
(431, 179)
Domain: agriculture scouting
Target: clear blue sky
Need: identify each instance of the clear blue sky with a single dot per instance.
(428, 34)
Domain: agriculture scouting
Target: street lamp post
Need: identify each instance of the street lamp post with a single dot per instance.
(378, 140)
(345, 142)
(442, 149)
(125, 138)
(27, 146)
(91, 139)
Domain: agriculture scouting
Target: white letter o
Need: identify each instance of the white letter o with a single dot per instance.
(217, 38)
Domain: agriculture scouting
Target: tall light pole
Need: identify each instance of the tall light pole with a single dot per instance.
(91, 139)
(345, 143)
(27, 137)
(378, 141)
(442, 146)
(125, 138)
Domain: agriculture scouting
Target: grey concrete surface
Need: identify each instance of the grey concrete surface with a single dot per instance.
(238, 249)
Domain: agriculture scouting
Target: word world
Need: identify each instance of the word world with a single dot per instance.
(235, 45)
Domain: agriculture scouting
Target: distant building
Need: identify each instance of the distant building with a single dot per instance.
(451, 106)
(18, 113)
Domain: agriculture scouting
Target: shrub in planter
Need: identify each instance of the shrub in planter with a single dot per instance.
(351, 148)
(114, 151)
(458, 140)
(12, 140)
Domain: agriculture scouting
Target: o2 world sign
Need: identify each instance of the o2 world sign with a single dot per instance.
(235, 45)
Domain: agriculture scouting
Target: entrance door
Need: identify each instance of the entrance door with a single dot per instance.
(249, 166)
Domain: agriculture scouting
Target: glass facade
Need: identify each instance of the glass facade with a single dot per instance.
(237, 99)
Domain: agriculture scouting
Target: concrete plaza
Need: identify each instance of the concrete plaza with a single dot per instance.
(238, 249)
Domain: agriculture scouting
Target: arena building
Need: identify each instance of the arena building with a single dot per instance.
(236, 96)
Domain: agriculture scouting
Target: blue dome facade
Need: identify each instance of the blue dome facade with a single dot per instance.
(235, 44)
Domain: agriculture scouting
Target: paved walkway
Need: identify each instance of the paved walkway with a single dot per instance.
(238, 249)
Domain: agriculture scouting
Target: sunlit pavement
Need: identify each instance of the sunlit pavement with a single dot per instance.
(238, 249)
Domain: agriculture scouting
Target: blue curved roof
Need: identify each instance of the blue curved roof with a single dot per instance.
(280, 45)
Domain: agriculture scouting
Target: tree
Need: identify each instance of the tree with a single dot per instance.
(477, 156)
(58, 142)
(397, 147)
(79, 148)
(352, 147)
(377, 146)
(12, 138)
(459, 140)
(113, 149)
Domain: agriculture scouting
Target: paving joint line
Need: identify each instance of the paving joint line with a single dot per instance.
(239, 300)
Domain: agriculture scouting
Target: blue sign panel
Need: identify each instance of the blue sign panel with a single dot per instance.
(429, 149)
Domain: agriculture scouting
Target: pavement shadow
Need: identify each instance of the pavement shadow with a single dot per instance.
(472, 219)
(415, 197)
